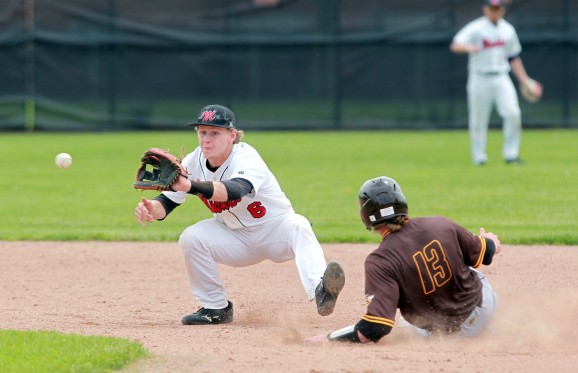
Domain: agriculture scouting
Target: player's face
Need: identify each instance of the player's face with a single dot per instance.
(216, 143)
(494, 13)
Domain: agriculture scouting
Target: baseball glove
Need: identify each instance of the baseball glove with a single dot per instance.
(158, 170)
(531, 90)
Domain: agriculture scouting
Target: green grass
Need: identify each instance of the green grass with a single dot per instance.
(42, 351)
(321, 173)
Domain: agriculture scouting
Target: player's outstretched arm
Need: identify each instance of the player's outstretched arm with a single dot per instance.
(213, 190)
(461, 48)
(347, 334)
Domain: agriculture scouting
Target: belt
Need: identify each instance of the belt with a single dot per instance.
(489, 73)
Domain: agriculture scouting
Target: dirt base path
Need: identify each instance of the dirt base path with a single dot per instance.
(140, 291)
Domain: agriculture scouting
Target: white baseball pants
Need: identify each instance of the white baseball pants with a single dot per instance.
(485, 92)
(209, 242)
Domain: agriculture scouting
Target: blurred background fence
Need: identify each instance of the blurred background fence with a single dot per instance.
(102, 65)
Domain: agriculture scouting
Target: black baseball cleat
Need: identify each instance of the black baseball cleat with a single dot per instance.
(515, 161)
(206, 316)
(329, 288)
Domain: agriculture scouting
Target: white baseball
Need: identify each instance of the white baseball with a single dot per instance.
(63, 160)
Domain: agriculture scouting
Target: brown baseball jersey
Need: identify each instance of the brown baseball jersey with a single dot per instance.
(424, 270)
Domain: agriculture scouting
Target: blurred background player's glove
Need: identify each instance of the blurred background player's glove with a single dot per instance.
(158, 170)
(531, 90)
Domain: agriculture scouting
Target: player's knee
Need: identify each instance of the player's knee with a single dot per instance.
(301, 225)
(189, 240)
(301, 222)
(513, 115)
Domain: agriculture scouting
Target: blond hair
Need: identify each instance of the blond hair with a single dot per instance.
(240, 134)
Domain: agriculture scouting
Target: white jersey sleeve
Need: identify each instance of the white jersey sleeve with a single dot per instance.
(497, 43)
(265, 202)
(514, 47)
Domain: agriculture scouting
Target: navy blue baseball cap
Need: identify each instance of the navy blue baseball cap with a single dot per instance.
(215, 115)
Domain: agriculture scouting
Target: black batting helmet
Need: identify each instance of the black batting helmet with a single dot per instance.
(215, 115)
(381, 199)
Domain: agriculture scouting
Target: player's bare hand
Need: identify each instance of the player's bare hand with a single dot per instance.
(143, 211)
(492, 237)
(317, 339)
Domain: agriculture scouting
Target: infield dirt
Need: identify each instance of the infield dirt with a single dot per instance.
(140, 291)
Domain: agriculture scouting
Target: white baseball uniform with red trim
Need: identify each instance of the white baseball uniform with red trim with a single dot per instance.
(489, 84)
(261, 225)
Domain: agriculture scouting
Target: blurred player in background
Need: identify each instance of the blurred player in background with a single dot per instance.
(494, 49)
(425, 267)
(253, 220)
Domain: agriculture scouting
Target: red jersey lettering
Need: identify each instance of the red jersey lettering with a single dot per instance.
(492, 44)
(219, 206)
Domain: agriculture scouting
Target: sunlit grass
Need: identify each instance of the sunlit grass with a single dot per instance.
(321, 173)
(44, 351)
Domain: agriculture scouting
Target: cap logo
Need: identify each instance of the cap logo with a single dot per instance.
(208, 116)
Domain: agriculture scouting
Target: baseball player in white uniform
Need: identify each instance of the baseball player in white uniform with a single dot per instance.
(253, 220)
(494, 49)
